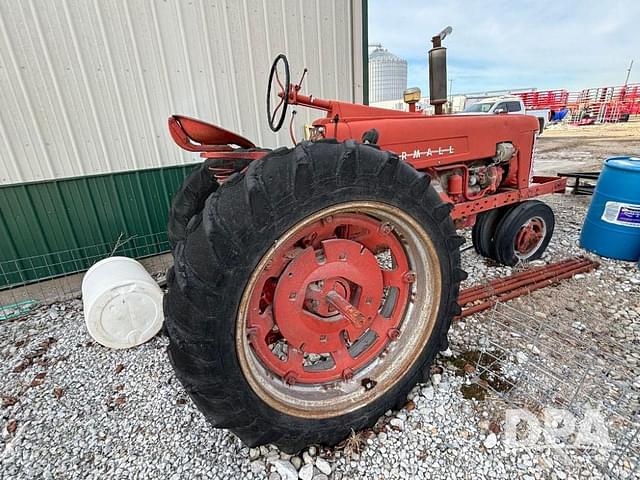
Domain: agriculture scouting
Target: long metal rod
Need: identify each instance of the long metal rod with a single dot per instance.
(534, 273)
(524, 290)
(522, 283)
(513, 284)
(503, 284)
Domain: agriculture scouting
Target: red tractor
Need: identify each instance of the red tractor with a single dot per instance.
(313, 286)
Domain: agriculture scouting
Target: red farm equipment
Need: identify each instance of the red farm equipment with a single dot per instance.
(588, 106)
(552, 99)
(606, 104)
(313, 286)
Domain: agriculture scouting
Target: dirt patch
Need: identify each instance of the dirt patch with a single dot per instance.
(606, 130)
(491, 378)
(568, 148)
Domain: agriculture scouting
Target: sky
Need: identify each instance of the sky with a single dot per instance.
(497, 45)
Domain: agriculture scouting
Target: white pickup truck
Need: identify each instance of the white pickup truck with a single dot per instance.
(508, 105)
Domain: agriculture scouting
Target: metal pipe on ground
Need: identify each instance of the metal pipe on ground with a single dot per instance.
(522, 283)
(473, 293)
(502, 285)
(521, 274)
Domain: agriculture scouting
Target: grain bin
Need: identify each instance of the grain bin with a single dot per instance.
(387, 76)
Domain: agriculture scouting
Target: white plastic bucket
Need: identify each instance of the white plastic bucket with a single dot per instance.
(122, 303)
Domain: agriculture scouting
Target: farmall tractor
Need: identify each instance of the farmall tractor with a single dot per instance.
(313, 286)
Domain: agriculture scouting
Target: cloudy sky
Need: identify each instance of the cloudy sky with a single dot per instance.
(514, 44)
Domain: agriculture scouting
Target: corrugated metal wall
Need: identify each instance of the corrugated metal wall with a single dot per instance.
(52, 228)
(86, 85)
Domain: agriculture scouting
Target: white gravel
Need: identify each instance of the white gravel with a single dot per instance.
(78, 410)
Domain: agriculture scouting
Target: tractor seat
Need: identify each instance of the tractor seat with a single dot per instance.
(197, 136)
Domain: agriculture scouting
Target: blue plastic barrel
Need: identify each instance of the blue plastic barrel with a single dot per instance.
(612, 226)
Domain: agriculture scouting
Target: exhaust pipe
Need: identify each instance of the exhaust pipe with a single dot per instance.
(438, 71)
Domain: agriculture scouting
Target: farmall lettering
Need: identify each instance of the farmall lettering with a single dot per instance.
(429, 152)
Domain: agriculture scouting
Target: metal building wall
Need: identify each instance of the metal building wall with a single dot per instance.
(86, 85)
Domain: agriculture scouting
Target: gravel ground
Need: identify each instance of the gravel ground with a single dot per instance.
(74, 409)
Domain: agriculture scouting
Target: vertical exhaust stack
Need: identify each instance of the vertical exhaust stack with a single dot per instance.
(438, 71)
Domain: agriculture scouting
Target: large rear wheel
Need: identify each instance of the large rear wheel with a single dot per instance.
(311, 293)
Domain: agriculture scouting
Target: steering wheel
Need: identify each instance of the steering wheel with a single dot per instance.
(280, 63)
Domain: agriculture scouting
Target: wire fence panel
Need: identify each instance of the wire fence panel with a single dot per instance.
(550, 366)
(27, 282)
(49, 229)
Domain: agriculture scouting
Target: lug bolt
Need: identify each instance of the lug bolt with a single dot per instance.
(323, 339)
(393, 333)
(252, 333)
(347, 374)
(343, 257)
(409, 277)
(290, 378)
(328, 219)
(292, 296)
(386, 228)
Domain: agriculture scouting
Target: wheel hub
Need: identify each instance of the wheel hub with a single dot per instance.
(344, 262)
(325, 305)
(529, 237)
(316, 297)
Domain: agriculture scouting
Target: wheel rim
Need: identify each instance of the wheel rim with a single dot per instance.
(529, 238)
(338, 309)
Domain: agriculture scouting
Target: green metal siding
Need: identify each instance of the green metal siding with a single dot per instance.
(53, 228)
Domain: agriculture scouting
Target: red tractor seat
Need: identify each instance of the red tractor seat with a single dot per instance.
(198, 136)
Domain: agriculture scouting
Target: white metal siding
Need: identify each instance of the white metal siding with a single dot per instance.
(86, 86)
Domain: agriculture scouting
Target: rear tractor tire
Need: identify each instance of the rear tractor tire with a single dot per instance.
(311, 293)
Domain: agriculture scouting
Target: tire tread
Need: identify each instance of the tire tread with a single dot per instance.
(221, 250)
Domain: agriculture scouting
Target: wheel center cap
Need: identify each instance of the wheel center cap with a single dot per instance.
(309, 316)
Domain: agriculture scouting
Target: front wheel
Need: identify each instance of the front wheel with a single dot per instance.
(524, 232)
(484, 230)
(312, 293)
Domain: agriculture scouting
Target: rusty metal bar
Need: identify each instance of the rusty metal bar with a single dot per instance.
(491, 288)
(525, 272)
(476, 292)
(519, 284)
(509, 283)
(348, 311)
